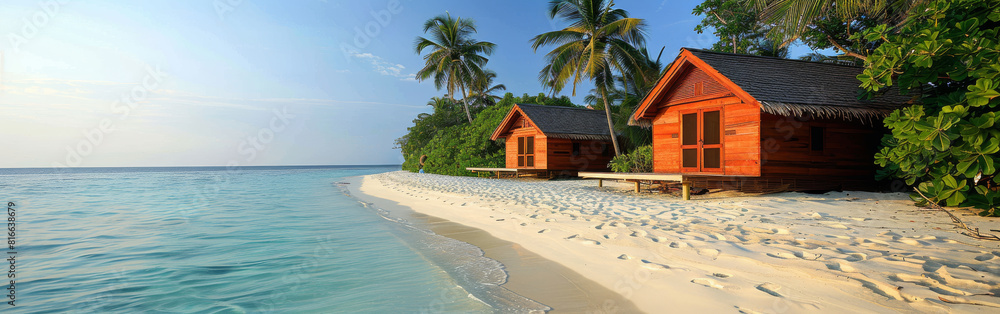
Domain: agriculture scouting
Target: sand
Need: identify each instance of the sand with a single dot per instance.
(779, 253)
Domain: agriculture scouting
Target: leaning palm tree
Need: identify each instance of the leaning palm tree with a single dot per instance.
(455, 60)
(599, 42)
(483, 89)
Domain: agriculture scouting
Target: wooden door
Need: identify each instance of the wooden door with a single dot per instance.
(526, 151)
(701, 140)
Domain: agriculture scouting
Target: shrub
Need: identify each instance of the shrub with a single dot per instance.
(639, 160)
(947, 52)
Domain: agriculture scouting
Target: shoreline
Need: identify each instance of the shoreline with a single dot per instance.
(528, 274)
(786, 252)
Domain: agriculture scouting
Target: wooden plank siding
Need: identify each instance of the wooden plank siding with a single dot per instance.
(741, 125)
(847, 157)
(511, 147)
(591, 156)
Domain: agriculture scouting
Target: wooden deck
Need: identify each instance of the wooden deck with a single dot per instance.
(510, 172)
(637, 177)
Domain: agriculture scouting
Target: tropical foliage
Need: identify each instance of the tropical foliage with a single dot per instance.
(600, 42)
(639, 160)
(946, 53)
(455, 60)
(483, 89)
(822, 24)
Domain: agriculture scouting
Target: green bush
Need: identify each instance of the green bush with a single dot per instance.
(639, 160)
(948, 54)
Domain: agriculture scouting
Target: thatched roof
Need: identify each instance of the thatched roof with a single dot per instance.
(797, 88)
(564, 122)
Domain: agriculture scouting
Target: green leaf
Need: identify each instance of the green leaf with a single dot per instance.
(986, 165)
(949, 181)
(964, 166)
(956, 199)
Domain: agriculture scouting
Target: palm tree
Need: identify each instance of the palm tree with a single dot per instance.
(483, 89)
(455, 59)
(599, 42)
(764, 46)
(792, 18)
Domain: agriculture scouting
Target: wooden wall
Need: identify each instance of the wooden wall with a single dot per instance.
(590, 158)
(741, 126)
(685, 89)
(847, 156)
(511, 147)
(557, 153)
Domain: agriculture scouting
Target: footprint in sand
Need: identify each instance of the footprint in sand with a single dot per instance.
(590, 242)
(708, 283)
(610, 236)
(770, 288)
(624, 257)
(655, 266)
(782, 255)
(913, 242)
(807, 255)
(985, 257)
(855, 257)
(543, 231)
(841, 266)
(711, 253)
(746, 310)
(639, 233)
(576, 237)
(722, 275)
(678, 245)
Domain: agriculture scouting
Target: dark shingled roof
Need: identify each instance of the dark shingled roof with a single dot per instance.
(567, 122)
(793, 87)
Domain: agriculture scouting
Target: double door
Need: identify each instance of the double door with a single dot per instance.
(701, 140)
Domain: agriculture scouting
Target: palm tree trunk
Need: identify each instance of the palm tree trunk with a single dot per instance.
(465, 101)
(611, 125)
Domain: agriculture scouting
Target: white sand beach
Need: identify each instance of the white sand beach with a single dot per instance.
(778, 253)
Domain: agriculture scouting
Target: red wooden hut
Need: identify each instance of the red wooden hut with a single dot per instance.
(555, 139)
(760, 123)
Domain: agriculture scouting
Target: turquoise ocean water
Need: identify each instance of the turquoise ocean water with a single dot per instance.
(211, 240)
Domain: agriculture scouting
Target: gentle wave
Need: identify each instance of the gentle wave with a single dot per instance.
(467, 263)
(280, 240)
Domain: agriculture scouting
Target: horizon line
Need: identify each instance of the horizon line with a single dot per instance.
(100, 167)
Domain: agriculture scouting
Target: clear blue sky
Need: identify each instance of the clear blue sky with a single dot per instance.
(216, 82)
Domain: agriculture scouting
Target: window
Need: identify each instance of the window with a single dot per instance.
(576, 149)
(526, 151)
(817, 138)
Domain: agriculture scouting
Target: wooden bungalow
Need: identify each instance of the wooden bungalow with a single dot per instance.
(555, 140)
(762, 124)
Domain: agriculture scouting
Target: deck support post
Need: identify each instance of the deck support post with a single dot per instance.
(686, 190)
(637, 186)
(600, 183)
